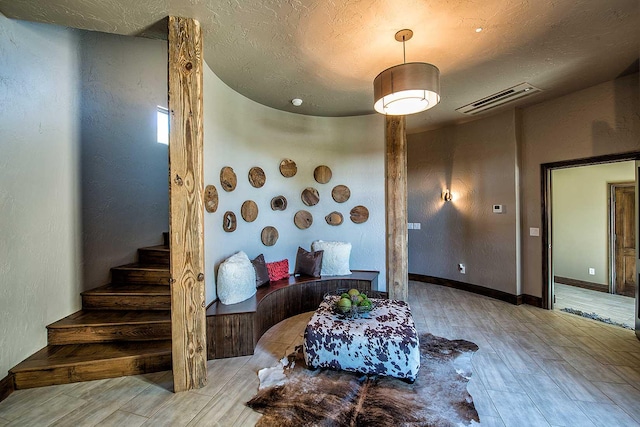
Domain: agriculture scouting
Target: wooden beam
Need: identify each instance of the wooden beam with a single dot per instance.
(396, 211)
(186, 205)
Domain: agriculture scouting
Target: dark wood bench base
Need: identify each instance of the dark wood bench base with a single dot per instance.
(234, 330)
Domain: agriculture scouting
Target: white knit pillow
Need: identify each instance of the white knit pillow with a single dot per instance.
(335, 260)
(236, 279)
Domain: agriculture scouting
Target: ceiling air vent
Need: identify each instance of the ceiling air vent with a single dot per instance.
(500, 98)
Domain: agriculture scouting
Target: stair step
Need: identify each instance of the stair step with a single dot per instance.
(140, 273)
(154, 255)
(63, 364)
(89, 326)
(127, 297)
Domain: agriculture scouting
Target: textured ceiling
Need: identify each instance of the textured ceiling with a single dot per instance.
(328, 52)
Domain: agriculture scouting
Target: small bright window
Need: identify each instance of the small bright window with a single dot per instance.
(163, 125)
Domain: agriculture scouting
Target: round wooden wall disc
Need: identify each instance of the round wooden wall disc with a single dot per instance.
(269, 236)
(288, 168)
(228, 179)
(310, 196)
(249, 211)
(334, 218)
(359, 214)
(257, 178)
(322, 174)
(211, 198)
(303, 219)
(279, 203)
(229, 222)
(341, 193)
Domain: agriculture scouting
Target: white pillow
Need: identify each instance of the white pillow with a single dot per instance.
(335, 260)
(236, 279)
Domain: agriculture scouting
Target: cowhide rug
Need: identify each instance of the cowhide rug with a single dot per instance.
(292, 395)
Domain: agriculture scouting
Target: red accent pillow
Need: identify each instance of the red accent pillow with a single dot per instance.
(278, 270)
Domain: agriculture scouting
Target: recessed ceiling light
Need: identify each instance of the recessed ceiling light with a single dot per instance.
(296, 101)
(478, 29)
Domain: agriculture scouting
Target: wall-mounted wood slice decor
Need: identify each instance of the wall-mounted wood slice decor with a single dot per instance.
(228, 179)
(322, 174)
(359, 214)
(341, 193)
(303, 219)
(288, 168)
(269, 236)
(334, 218)
(279, 203)
(249, 211)
(310, 196)
(229, 222)
(257, 178)
(211, 198)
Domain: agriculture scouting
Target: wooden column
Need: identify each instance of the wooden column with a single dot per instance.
(396, 208)
(186, 205)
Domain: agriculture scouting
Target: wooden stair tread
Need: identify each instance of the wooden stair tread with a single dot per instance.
(162, 248)
(111, 318)
(136, 266)
(61, 356)
(142, 273)
(129, 289)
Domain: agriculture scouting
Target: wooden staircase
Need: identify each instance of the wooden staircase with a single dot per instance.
(124, 328)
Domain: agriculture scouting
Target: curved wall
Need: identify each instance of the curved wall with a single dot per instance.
(40, 233)
(123, 169)
(241, 133)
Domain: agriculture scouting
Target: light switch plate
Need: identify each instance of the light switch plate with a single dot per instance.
(534, 231)
(416, 226)
(409, 226)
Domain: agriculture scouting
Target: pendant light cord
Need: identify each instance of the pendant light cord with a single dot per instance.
(404, 52)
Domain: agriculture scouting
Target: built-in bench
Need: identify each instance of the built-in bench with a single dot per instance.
(234, 330)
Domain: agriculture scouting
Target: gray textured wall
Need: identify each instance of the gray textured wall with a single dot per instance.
(125, 194)
(603, 119)
(477, 162)
(39, 181)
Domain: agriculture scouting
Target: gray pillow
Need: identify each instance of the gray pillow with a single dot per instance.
(262, 274)
(308, 263)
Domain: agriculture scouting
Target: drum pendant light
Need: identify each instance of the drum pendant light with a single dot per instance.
(407, 88)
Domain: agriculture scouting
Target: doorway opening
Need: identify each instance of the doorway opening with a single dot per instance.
(589, 237)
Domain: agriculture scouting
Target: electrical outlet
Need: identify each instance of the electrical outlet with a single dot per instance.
(592, 271)
(462, 269)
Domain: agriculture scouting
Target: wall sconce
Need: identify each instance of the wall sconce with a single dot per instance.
(446, 195)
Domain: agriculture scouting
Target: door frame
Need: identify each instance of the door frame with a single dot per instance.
(611, 248)
(545, 186)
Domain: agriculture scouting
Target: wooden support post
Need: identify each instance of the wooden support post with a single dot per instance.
(186, 205)
(396, 208)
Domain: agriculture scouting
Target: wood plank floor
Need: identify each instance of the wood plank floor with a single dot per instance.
(618, 308)
(534, 368)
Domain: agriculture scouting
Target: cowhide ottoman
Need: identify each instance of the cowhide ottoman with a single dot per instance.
(382, 342)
